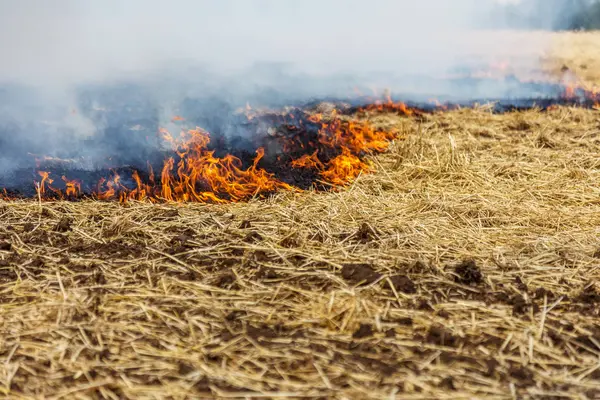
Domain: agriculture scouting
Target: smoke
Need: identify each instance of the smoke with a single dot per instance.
(92, 79)
(69, 40)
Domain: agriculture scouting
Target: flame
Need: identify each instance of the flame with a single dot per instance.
(310, 161)
(329, 144)
(349, 139)
(45, 180)
(73, 188)
(108, 189)
(388, 105)
(570, 91)
(200, 176)
(595, 96)
(344, 168)
(195, 174)
(354, 136)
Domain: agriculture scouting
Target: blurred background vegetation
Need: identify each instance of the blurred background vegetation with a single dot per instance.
(587, 18)
(549, 14)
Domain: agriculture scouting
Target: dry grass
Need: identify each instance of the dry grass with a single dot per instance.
(465, 267)
(260, 299)
(577, 51)
(519, 53)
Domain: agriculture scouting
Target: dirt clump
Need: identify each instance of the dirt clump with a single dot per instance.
(364, 331)
(362, 274)
(64, 225)
(401, 284)
(441, 336)
(589, 295)
(468, 273)
(365, 233)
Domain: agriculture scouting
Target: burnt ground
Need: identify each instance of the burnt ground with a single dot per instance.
(465, 265)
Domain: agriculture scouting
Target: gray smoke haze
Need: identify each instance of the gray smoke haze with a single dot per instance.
(69, 41)
(68, 65)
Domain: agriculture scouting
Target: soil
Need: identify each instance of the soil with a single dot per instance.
(468, 273)
(402, 284)
(361, 274)
(365, 330)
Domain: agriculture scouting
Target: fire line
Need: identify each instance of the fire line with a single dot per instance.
(293, 151)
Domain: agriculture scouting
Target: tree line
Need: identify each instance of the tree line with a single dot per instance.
(550, 14)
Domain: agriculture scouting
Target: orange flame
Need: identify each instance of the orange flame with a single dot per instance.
(354, 136)
(45, 180)
(329, 144)
(570, 91)
(202, 177)
(73, 188)
(389, 106)
(344, 168)
(109, 188)
(195, 173)
(310, 161)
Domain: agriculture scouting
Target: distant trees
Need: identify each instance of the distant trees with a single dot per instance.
(550, 14)
(587, 18)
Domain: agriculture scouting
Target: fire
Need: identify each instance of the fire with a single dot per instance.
(354, 136)
(45, 180)
(570, 91)
(595, 96)
(389, 106)
(202, 177)
(331, 146)
(44, 187)
(72, 187)
(293, 151)
(108, 189)
(344, 168)
(310, 161)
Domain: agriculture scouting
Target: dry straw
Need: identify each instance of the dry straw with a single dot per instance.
(465, 266)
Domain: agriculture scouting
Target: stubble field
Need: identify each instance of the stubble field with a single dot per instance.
(465, 266)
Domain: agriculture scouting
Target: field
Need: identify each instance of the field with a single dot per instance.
(465, 266)
(577, 51)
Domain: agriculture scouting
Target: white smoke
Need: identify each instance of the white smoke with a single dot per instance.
(182, 48)
(65, 41)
